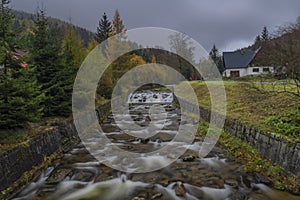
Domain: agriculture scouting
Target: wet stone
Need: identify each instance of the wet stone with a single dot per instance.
(145, 141)
(164, 182)
(238, 196)
(157, 196)
(83, 176)
(188, 158)
(179, 189)
(58, 175)
(103, 177)
(127, 147)
(231, 182)
(138, 198)
(163, 137)
(261, 179)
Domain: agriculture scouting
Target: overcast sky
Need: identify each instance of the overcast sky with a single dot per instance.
(230, 24)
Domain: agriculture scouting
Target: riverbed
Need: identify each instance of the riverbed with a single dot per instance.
(78, 175)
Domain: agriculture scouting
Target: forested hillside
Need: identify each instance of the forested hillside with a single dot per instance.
(26, 21)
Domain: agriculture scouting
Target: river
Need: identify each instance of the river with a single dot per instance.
(78, 175)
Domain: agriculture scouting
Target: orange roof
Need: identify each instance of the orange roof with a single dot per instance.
(19, 53)
(23, 65)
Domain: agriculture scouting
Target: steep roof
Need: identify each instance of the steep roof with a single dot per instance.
(238, 59)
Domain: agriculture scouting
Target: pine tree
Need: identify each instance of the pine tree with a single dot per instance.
(24, 99)
(265, 35)
(215, 56)
(104, 29)
(73, 54)
(54, 78)
(19, 97)
(117, 24)
(7, 42)
(257, 42)
(45, 51)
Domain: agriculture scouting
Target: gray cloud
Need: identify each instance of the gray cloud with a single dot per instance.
(229, 24)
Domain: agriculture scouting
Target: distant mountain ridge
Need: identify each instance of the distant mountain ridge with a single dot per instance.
(27, 20)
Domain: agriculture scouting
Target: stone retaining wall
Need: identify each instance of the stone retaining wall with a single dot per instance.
(278, 149)
(61, 137)
(14, 162)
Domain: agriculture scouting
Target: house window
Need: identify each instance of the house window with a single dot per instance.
(255, 70)
(234, 73)
(266, 69)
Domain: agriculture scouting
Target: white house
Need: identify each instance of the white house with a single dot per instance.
(239, 63)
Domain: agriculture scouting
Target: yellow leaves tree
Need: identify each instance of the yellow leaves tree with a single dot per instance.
(73, 48)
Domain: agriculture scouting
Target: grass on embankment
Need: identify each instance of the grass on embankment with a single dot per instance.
(9, 138)
(266, 106)
(253, 161)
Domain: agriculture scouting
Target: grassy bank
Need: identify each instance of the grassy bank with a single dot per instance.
(266, 106)
(10, 138)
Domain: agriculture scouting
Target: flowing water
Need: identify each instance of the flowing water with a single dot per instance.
(78, 175)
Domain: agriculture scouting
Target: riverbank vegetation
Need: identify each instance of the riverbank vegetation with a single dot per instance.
(257, 105)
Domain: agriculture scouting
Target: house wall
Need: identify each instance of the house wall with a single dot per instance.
(260, 68)
(248, 71)
(242, 71)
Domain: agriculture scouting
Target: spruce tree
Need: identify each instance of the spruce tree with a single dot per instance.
(19, 97)
(117, 24)
(215, 56)
(265, 35)
(45, 51)
(104, 29)
(52, 76)
(7, 36)
(73, 54)
(257, 42)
